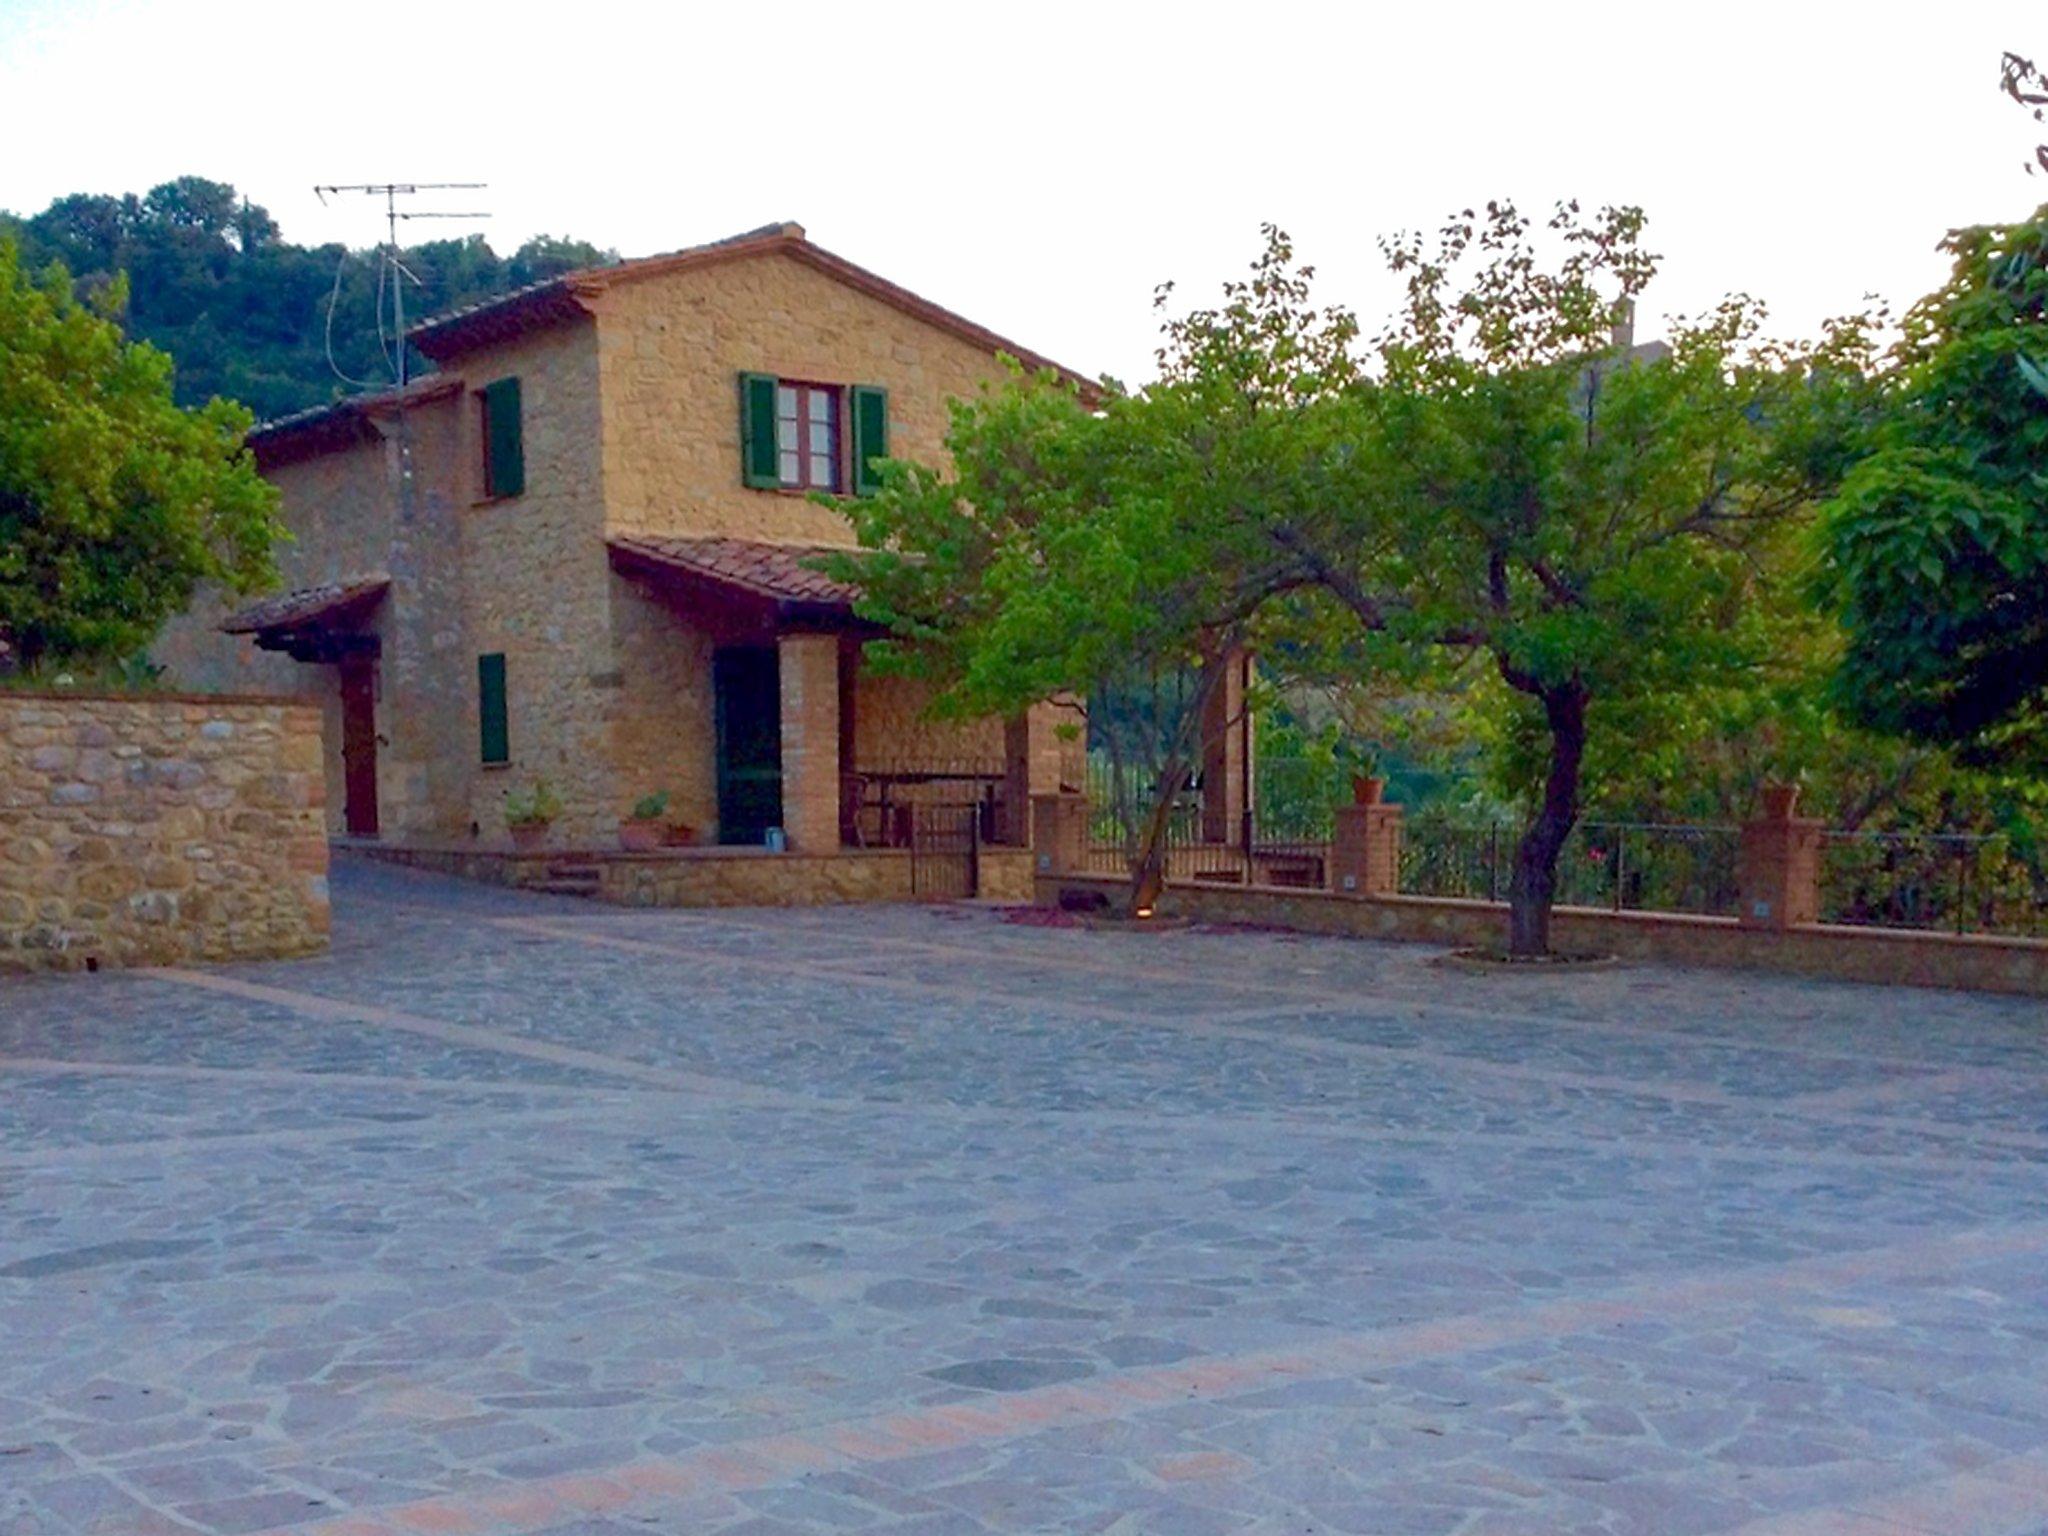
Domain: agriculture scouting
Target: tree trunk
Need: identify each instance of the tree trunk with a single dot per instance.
(1533, 887)
(1148, 873)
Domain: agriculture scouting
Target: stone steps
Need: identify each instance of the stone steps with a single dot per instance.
(566, 878)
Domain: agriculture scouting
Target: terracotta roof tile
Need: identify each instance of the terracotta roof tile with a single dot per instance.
(307, 605)
(778, 572)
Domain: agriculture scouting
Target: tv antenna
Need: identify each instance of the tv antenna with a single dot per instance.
(391, 192)
(399, 275)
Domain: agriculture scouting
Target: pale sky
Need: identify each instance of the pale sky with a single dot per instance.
(1039, 167)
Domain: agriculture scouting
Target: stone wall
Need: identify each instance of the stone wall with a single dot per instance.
(714, 877)
(540, 590)
(891, 727)
(1887, 956)
(664, 723)
(671, 349)
(159, 829)
(343, 510)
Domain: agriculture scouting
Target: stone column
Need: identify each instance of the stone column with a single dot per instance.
(1226, 764)
(809, 666)
(1031, 767)
(1059, 831)
(1778, 867)
(1365, 850)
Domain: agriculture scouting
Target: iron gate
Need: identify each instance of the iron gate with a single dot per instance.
(945, 852)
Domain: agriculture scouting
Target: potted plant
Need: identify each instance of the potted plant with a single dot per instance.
(528, 815)
(1368, 786)
(644, 827)
(1780, 797)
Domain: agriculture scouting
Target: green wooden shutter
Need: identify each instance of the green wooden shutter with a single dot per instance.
(490, 708)
(759, 466)
(870, 436)
(504, 441)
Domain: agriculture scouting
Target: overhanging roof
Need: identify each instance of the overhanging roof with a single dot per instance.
(324, 428)
(312, 623)
(775, 580)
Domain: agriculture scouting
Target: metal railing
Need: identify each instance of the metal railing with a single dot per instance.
(1933, 880)
(1192, 852)
(1947, 881)
(880, 798)
(1288, 844)
(1624, 866)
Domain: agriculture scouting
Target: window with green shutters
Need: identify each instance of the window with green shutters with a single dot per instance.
(504, 441)
(758, 460)
(870, 406)
(800, 435)
(490, 708)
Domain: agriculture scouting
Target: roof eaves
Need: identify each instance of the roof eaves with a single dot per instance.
(568, 295)
(875, 286)
(338, 424)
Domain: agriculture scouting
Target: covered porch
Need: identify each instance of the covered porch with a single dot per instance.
(334, 625)
(805, 745)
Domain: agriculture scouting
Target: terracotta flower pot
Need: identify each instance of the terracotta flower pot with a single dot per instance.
(678, 834)
(1367, 790)
(1779, 801)
(528, 835)
(641, 835)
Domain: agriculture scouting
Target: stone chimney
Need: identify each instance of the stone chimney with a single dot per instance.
(1625, 328)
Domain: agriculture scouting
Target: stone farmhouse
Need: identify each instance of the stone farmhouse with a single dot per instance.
(581, 551)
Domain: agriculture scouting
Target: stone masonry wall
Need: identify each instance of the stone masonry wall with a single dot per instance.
(1880, 956)
(343, 511)
(159, 829)
(716, 877)
(539, 589)
(670, 353)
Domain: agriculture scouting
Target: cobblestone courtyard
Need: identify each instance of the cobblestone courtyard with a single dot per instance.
(522, 1215)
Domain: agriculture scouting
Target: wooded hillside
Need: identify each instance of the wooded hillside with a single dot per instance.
(244, 313)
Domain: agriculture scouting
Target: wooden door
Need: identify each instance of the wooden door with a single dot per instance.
(359, 746)
(746, 684)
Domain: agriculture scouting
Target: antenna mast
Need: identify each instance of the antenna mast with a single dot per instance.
(391, 192)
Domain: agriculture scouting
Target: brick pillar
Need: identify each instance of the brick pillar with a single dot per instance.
(1226, 766)
(1365, 850)
(1059, 831)
(1778, 868)
(1031, 767)
(809, 667)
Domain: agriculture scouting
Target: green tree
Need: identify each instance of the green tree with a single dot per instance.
(1936, 550)
(114, 502)
(546, 256)
(2027, 85)
(1511, 490)
(1048, 564)
(245, 313)
(1109, 552)
(1528, 493)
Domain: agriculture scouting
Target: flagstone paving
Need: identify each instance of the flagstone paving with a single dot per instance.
(521, 1215)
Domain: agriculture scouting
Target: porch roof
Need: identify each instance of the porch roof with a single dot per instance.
(750, 573)
(331, 601)
(311, 622)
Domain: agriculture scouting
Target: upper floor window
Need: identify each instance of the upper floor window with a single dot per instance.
(807, 436)
(797, 435)
(504, 446)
